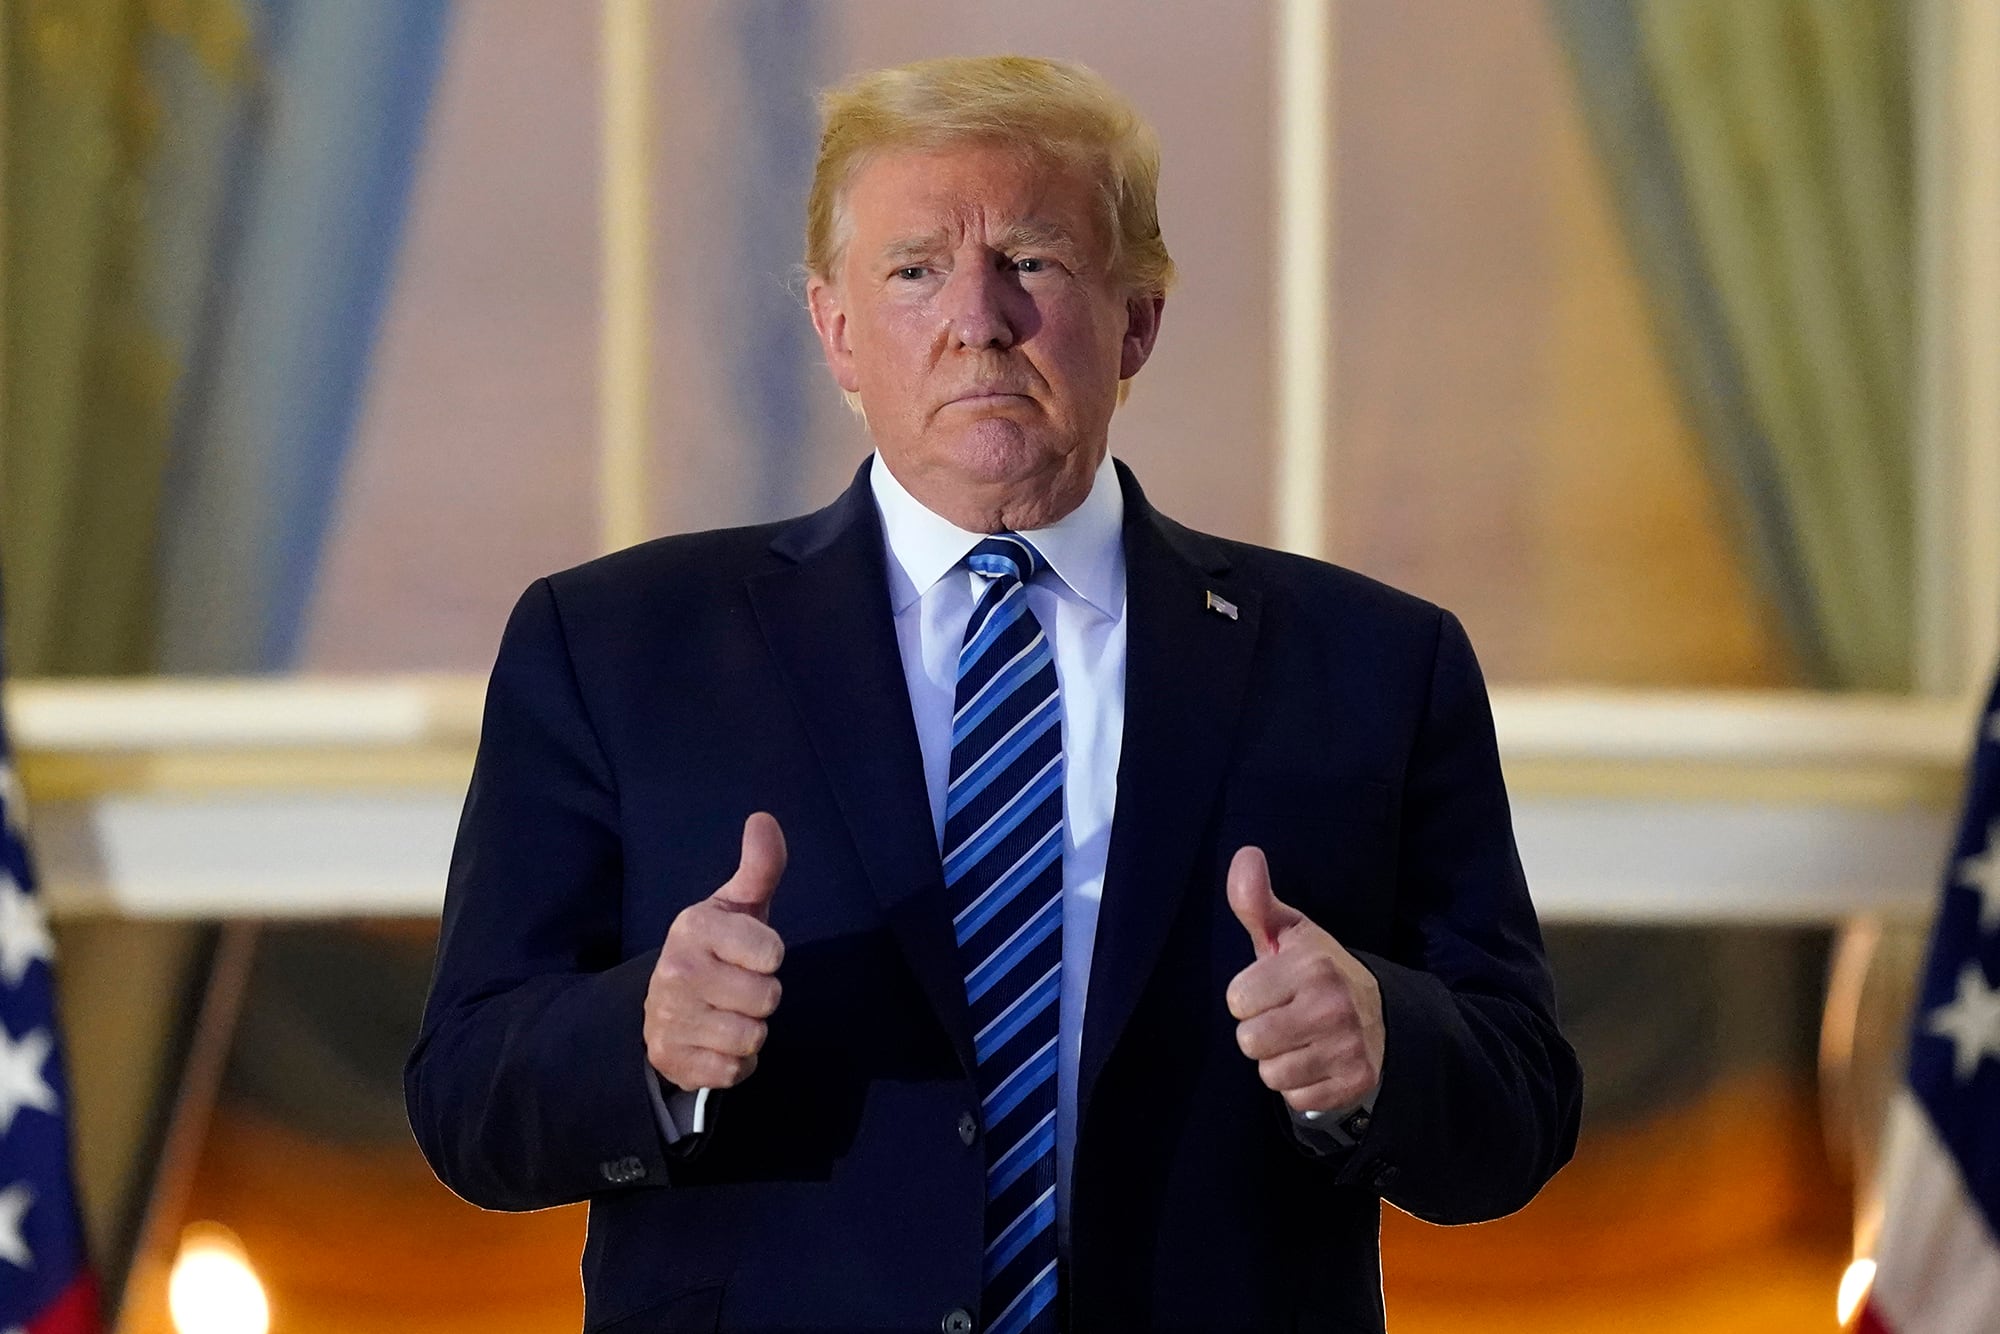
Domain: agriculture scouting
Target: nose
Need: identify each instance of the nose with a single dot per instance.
(974, 305)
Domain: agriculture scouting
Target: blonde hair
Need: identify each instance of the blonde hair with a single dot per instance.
(1051, 109)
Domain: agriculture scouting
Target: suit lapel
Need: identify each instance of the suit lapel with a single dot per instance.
(828, 624)
(1187, 664)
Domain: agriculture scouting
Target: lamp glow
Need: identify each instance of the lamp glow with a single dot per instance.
(213, 1289)
(1854, 1285)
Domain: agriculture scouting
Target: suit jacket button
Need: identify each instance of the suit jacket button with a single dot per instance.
(1385, 1177)
(968, 1129)
(956, 1321)
(620, 1171)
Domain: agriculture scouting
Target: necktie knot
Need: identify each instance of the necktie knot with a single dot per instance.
(1006, 556)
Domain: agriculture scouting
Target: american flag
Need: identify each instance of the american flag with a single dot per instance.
(46, 1285)
(1938, 1260)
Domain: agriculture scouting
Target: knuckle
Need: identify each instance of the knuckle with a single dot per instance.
(745, 1036)
(679, 1067)
(690, 923)
(685, 988)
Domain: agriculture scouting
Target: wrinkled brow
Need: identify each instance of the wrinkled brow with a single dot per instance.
(1031, 234)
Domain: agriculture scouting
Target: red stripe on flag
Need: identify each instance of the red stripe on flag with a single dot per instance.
(75, 1312)
(1871, 1321)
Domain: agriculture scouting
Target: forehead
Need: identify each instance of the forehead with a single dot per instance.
(974, 189)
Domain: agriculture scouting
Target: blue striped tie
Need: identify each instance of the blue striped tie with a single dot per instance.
(1003, 843)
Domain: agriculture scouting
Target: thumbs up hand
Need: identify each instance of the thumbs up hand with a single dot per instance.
(715, 983)
(1308, 1012)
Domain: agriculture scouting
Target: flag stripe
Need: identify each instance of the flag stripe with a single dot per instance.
(1937, 1265)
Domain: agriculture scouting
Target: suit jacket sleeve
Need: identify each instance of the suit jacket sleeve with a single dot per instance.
(525, 1085)
(1480, 1094)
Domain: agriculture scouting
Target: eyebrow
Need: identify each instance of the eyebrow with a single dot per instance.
(1031, 234)
(1035, 234)
(908, 248)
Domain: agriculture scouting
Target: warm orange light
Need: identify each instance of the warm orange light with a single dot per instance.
(1854, 1286)
(213, 1289)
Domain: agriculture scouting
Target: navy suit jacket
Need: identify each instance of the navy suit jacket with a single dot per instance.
(644, 703)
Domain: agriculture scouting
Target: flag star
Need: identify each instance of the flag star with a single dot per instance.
(14, 1202)
(24, 931)
(1971, 1021)
(1981, 873)
(21, 1082)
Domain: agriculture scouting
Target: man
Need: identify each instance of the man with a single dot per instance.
(984, 903)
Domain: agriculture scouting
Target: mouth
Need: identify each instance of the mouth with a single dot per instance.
(979, 398)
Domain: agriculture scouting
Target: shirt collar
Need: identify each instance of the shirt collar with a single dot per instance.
(1085, 547)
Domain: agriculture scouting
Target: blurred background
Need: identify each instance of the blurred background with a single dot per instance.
(1656, 338)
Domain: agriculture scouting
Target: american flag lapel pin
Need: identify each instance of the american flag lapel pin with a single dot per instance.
(1221, 605)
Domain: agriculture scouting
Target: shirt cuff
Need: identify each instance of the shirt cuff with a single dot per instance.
(681, 1113)
(1343, 1126)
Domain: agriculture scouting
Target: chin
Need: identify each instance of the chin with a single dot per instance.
(996, 452)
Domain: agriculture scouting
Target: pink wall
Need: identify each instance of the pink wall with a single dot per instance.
(1505, 439)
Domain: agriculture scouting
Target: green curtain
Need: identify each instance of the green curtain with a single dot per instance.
(1761, 156)
(97, 308)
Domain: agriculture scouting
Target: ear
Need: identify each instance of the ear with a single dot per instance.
(829, 319)
(1142, 327)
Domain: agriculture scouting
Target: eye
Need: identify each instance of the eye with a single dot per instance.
(910, 273)
(1031, 264)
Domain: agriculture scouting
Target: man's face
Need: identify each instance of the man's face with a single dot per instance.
(973, 312)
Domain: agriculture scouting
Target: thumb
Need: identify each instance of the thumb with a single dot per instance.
(749, 890)
(1251, 899)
